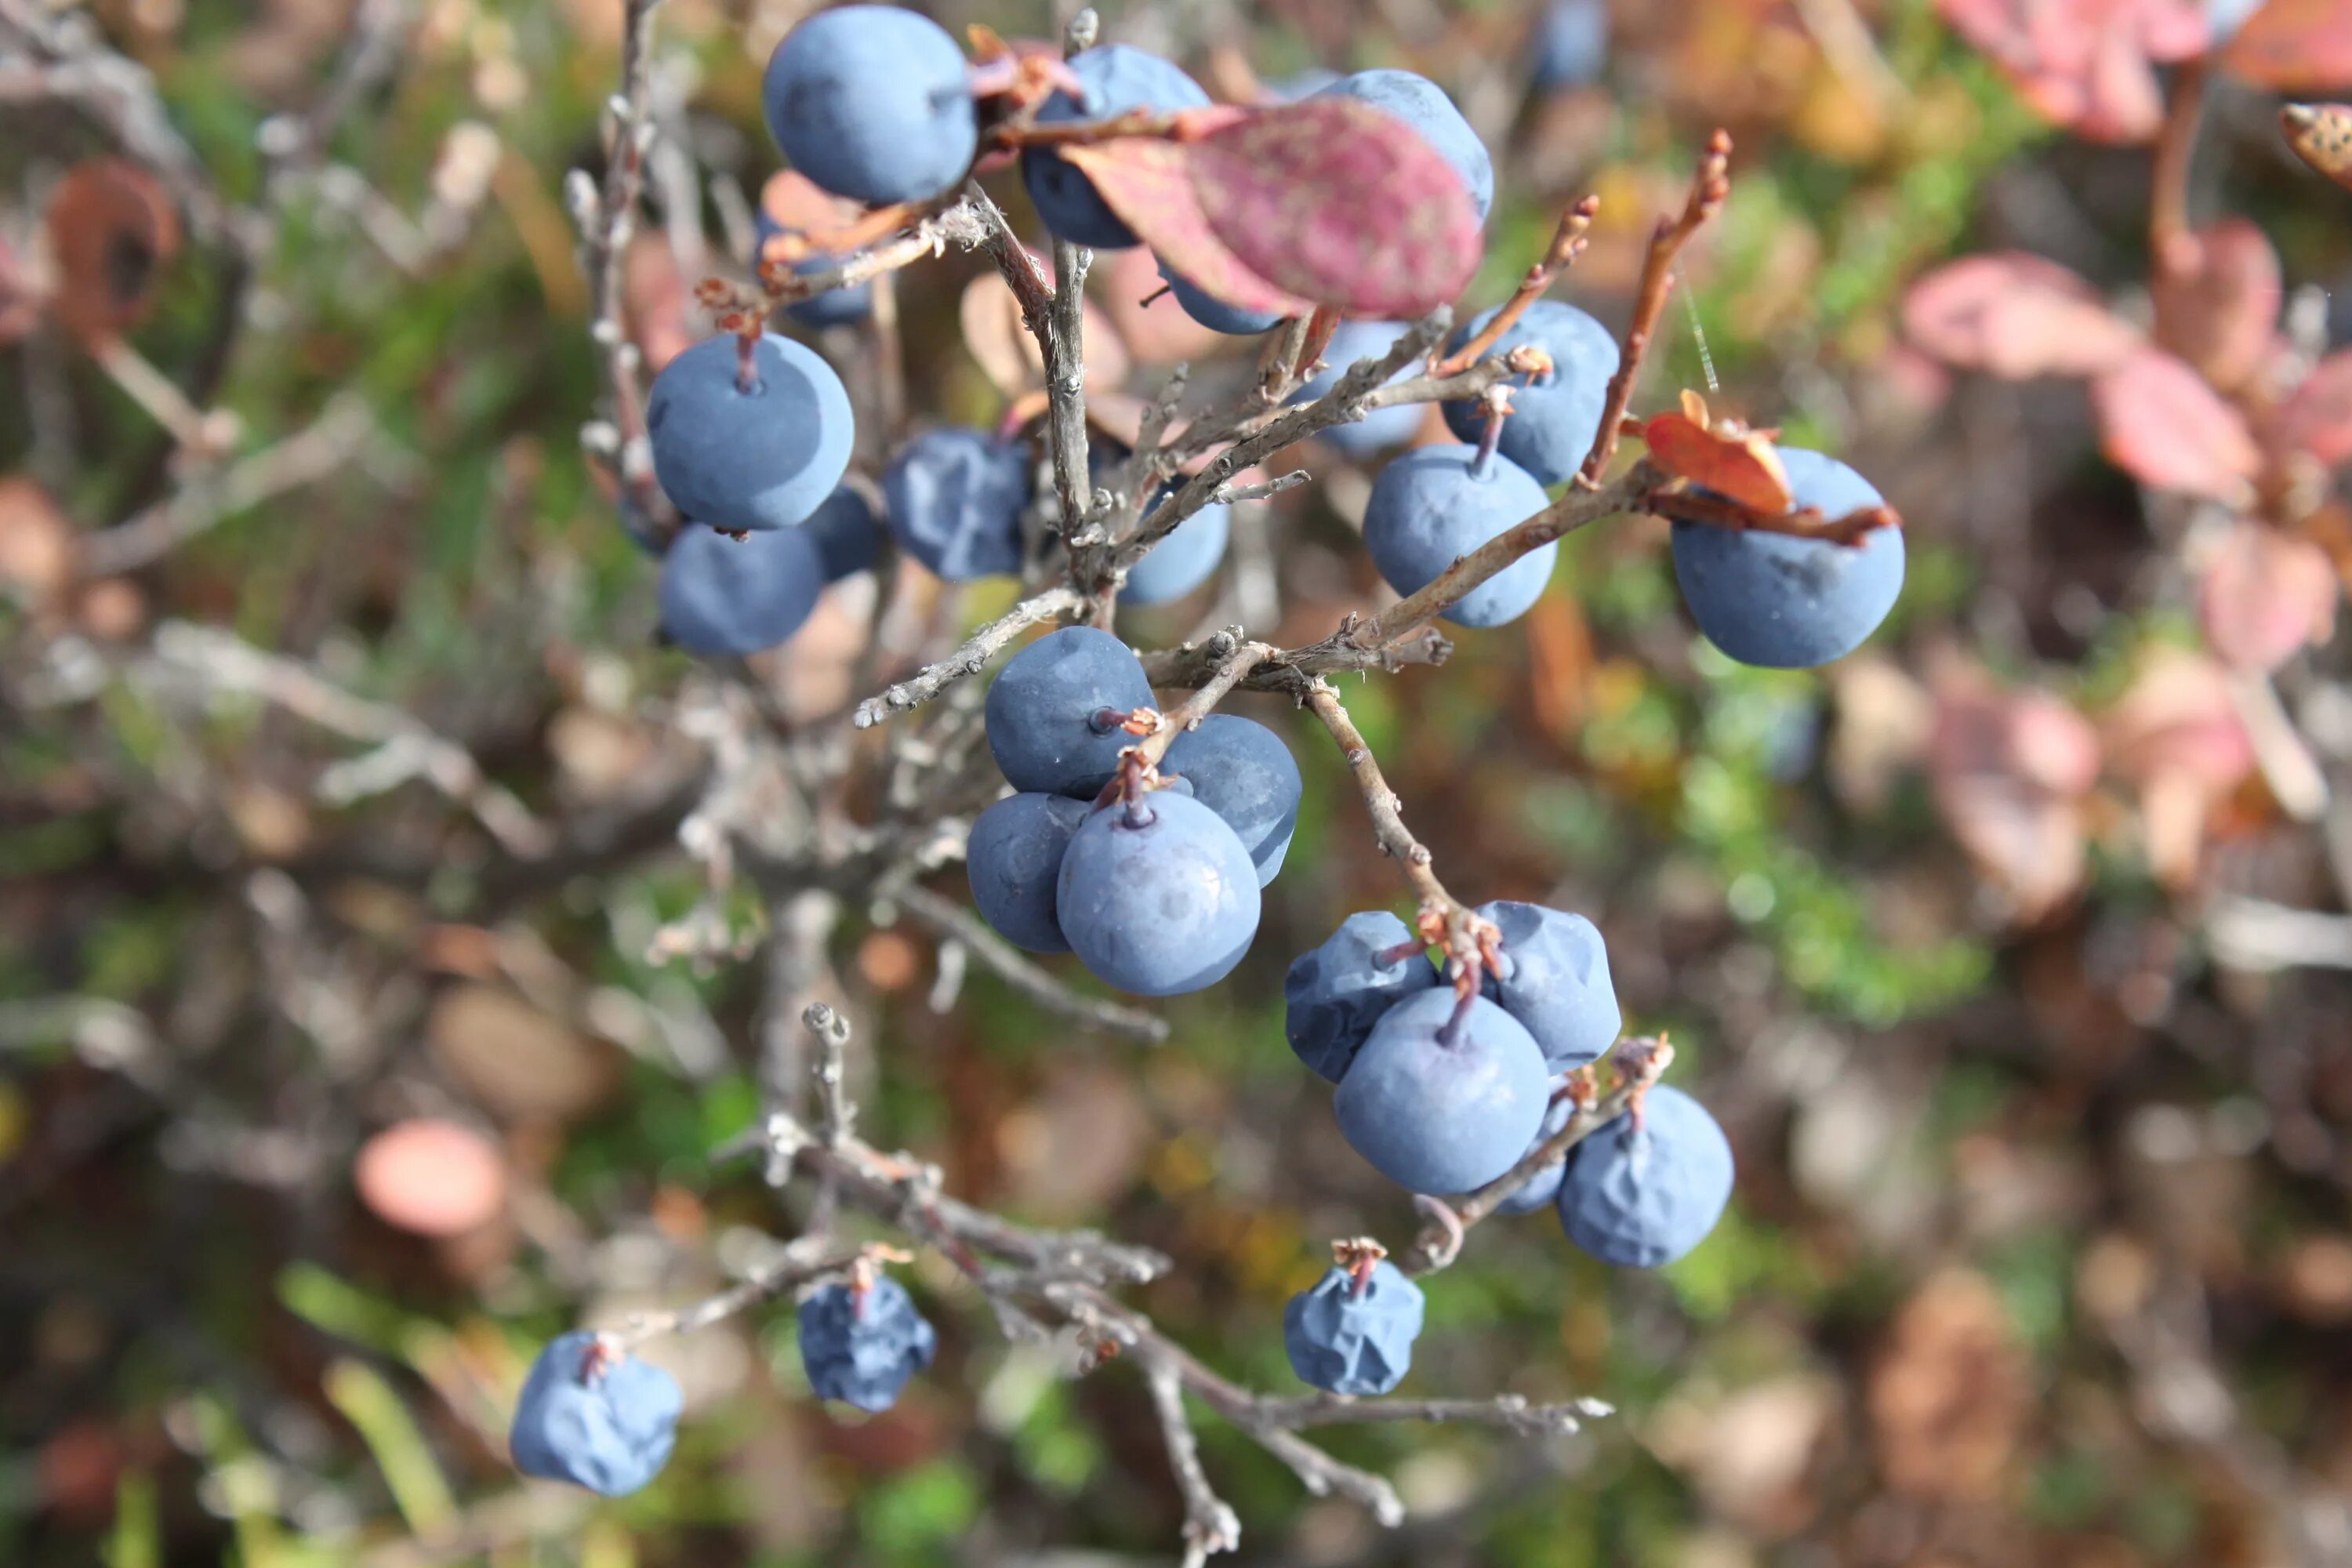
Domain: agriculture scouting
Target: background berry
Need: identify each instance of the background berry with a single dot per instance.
(1014, 862)
(721, 595)
(872, 103)
(862, 1351)
(1241, 771)
(609, 1430)
(955, 498)
(1553, 977)
(1335, 994)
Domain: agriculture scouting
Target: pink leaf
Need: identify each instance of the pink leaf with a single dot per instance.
(2161, 423)
(2294, 46)
(1336, 201)
(2085, 64)
(2016, 316)
(2317, 418)
(2217, 302)
(2176, 733)
(2264, 595)
(1149, 181)
(2010, 770)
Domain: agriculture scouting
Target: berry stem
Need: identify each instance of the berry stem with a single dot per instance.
(747, 363)
(1497, 402)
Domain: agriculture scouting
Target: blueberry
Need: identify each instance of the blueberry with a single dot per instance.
(1554, 418)
(726, 595)
(846, 536)
(862, 1348)
(1347, 1341)
(1554, 978)
(1336, 993)
(1117, 79)
(1784, 603)
(1241, 770)
(1183, 560)
(1042, 712)
(1640, 1199)
(1439, 1110)
(1215, 313)
(1164, 907)
(1421, 104)
(1015, 861)
(742, 460)
(1571, 43)
(1382, 427)
(834, 307)
(598, 1419)
(1538, 1190)
(1432, 506)
(874, 103)
(955, 497)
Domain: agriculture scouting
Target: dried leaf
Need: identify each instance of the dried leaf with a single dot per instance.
(1338, 202)
(2217, 302)
(1159, 333)
(654, 300)
(112, 231)
(2294, 46)
(1720, 455)
(2016, 316)
(2317, 418)
(37, 542)
(2321, 135)
(519, 1062)
(1951, 1394)
(1149, 182)
(2264, 595)
(2087, 65)
(1009, 355)
(2177, 734)
(798, 205)
(2160, 422)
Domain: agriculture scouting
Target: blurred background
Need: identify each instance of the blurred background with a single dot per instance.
(2012, 951)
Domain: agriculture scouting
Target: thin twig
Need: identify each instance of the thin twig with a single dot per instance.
(1567, 241)
(1011, 965)
(971, 658)
(1209, 1525)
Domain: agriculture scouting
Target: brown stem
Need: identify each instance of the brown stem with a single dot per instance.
(1395, 839)
(1710, 185)
(1567, 241)
(2176, 144)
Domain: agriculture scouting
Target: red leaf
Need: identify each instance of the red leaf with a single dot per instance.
(2009, 771)
(1148, 182)
(2161, 423)
(113, 230)
(2264, 595)
(2294, 46)
(2317, 418)
(1336, 201)
(2085, 64)
(2217, 302)
(2016, 316)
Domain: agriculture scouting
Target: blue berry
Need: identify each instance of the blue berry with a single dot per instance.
(1432, 506)
(1117, 79)
(862, 1348)
(1554, 978)
(955, 497)
(1215, 313)
(1382, 427)
(1241, 770)
(1441, 1110)
(873, 102)
(834, 307)
(599, 1419)
(1784, 603)
(1336, 993)
(846, 536)
(1347, 1341)
(1421, 104)
(1160, 905)
(1639, 1199)
(724, 595)
(1015, 861)
(1538, 1190)
(1042, 712)
(1183, 560)
(1554, 416)
(742, 460)
(1571, 43)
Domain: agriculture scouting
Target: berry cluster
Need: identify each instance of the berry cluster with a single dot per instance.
(1150, 877)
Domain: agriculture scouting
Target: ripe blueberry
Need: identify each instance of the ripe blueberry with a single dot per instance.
(1349, 1341)
(872, 103)
(1441, 1109)
(594, 1416)
(745, 460)
(1336, 993)
(1046, 714)
(861, 1347)
(1157, 898)
(1433, 505)
(1639, 1199)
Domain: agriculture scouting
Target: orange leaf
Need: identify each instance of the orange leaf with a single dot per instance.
(1720, 455)
(2321, 135)
(2160, 422)
(2294, 46)
(112, 231)
(2016, 316)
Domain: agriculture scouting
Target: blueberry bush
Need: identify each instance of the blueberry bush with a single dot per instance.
(692, 693)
